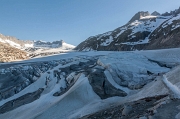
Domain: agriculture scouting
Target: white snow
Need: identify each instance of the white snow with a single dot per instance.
(79, 95)
(166, 55)
(146, 40)
(121, 31)
(111, 80)
(10, 43)
(172, 87)
(107, 41)
(67, 46)
(175, 27)
(28, 45)
(103, 35)
(141, 26)
(1, 40)
(148, 17)
(170, 20)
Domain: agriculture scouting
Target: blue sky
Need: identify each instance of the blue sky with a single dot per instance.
(71, 20)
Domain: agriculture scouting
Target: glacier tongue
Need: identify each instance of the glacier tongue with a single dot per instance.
(80, 83)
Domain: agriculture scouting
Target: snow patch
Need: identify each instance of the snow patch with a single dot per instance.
(107, 41)
(172, 87)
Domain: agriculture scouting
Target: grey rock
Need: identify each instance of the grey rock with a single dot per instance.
(155, 13)
(127, 109)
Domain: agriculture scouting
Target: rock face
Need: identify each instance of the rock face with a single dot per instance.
(155, 13)
(54, 44)
(139, 15)
(14, 42)
(143, 31)
(8, 53)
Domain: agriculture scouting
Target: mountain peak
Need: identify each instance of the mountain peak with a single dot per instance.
(139, 15)
(155, 13)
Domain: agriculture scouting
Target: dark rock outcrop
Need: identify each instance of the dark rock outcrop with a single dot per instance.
(155, 13)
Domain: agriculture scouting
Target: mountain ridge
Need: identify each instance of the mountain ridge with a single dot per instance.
(140, 33)
(10, 46)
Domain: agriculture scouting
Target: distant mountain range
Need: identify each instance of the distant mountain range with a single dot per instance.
(12, 49)
(22, 44)
(144, 31)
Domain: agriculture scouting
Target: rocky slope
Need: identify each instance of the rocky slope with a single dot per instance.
(143, 31)
(12, 49)
(9, 53)
(54, 44)
(14, 42)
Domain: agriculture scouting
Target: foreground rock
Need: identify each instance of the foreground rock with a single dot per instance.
(9, 53)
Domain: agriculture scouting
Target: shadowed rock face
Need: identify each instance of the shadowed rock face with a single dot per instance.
(155, 13)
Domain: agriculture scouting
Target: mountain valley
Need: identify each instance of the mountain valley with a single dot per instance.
(131, 72)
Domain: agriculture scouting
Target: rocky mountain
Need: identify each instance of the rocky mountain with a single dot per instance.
(22, 44)
(144, 31)
(54, 44)
(42, 48)
(10, 46)
(155, 13)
